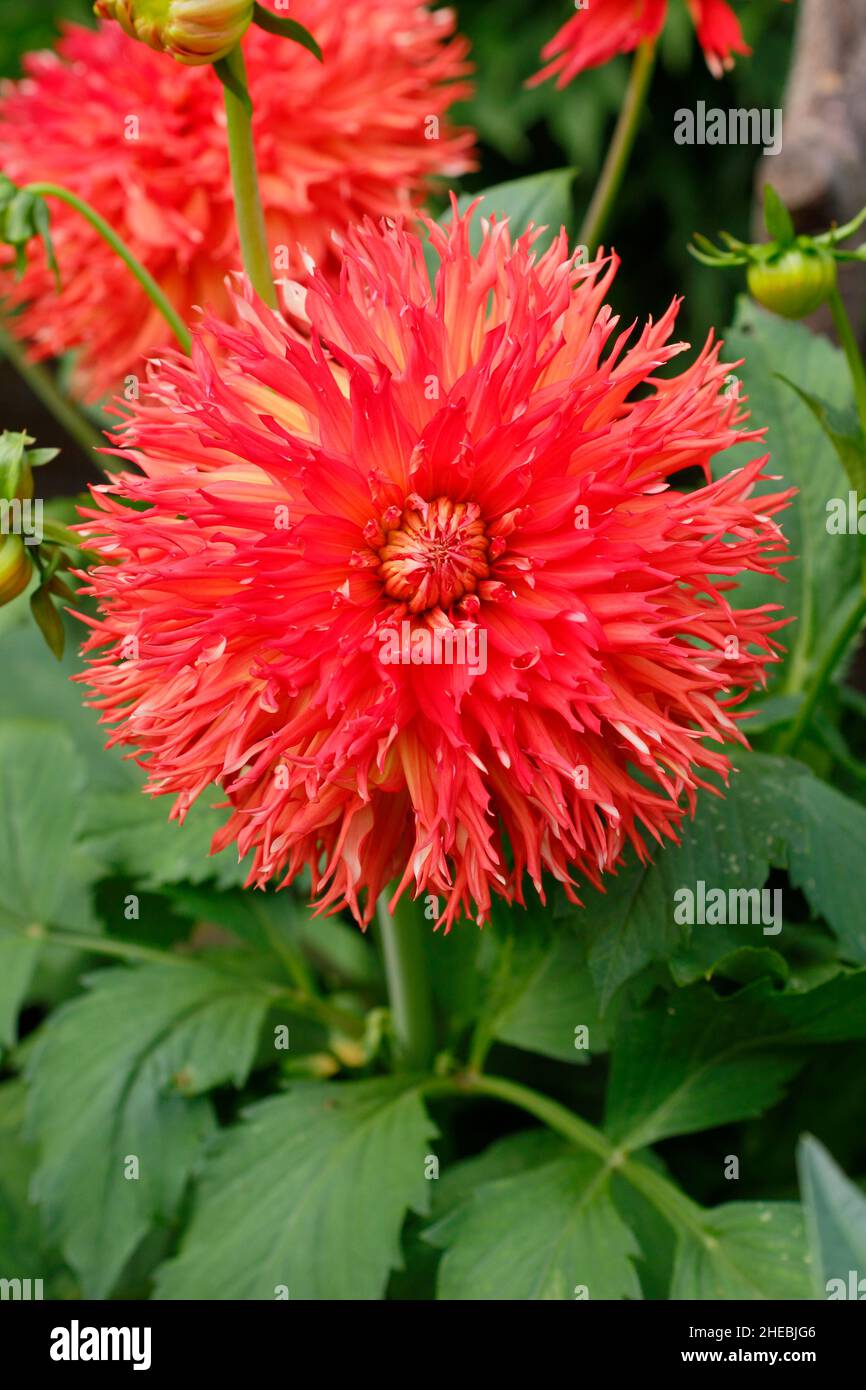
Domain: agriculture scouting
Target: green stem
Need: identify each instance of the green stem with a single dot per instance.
(548, 1111)
(108, 234)
(848, 340)
(299, 1002)
(408, 986)
(101, 945)
(619, 152)
(849, 625)
(295, 1000)
(674, 1205)
(482, 1041)
(45, 389)
(242, 159)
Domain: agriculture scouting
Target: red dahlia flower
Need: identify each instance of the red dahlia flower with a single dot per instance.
(143, 140)
(485, 465)
(604, 28)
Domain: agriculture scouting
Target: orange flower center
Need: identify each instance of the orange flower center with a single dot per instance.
(436, 554)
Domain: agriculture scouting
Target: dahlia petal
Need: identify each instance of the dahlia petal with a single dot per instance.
(597, 33)
(719, 33)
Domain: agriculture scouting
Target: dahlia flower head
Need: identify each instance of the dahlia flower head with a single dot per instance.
(143, 140)
(602, 29)
(490, 456)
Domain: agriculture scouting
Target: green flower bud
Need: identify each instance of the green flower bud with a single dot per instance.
(191, 31)
(791, 275)
(17, 462)
(794, 282)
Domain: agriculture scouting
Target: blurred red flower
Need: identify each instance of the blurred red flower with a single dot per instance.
(603, 28)
(143, 140)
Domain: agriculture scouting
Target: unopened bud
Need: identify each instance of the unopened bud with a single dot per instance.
(191, 31)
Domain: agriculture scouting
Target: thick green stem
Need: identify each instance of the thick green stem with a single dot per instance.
(619, 153)
(848, 340)
(108, 234)
(851, 620)
(405, 963)
(242, 158)
(45, 389)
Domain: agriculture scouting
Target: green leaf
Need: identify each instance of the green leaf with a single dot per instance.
(821, 574)
(551, 1233)
(632, 923)
(48, 620)
(131, 833)
(287, 29)
(697, 1061)
(541, 199)
(811, 956)
(457, 984)
(750, 1250)
(730, 952)
(308, 1193)
(692, 1064)
(234, 84)
(36, 689)
(18, 958)
(515, 1154)
(775, 814)
(44, 876)
(265, 919)
(23, 216)
(127, 831)
(842, 428)
(24, 1250)
(777, 218)
(540, 990)
(772, 712)
(835, 1219)
(817, 834)
(119, 1075)
(17, 462)
(651, 1228)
